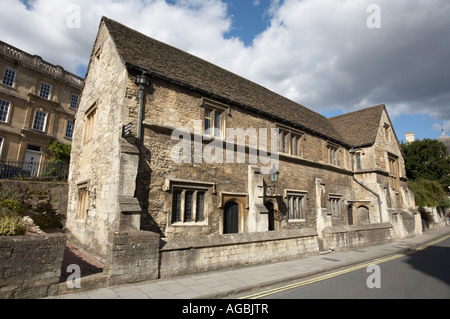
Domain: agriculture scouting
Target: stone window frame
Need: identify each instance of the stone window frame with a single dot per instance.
(214, 108)
(299, 197)
(289, 134)
(387, 133)
(82, 208)
(89, 127)
(7, 104)
(394, 171)
(334, 204)
(184, 188)
(332, 150)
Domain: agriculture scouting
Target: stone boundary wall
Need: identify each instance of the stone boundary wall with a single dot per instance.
(341, 238)
(133, 257)
(55, 192)
(30, 265)
(188, 255)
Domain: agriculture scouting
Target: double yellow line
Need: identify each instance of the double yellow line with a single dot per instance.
(339, 273)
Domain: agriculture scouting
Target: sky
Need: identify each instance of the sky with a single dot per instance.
(331, 56)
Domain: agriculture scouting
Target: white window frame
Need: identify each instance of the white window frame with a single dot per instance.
(44, 85)
(44, 124)
(2, 141)
(216, 129)
(8, 111)
(72, 101)
(14, 73)
(72, 122)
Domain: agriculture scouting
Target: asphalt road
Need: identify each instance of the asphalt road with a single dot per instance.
(424, 274)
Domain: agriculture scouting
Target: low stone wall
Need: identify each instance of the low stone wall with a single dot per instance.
(188, 255)
(29, 265)
(407, 223)
(341, 238)
(133, 257)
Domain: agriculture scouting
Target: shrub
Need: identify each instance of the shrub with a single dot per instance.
(11, 224)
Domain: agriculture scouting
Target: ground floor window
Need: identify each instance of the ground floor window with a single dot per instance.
(334, 206)
(188, 205)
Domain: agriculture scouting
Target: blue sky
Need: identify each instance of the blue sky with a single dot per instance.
(320, 53)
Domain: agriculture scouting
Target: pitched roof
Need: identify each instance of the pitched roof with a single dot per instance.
(164, 60)
(360, 127)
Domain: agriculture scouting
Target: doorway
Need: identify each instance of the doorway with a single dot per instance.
(270, 207)
(32, 160)
(231, 218)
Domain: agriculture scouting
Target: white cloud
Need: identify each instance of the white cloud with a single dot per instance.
(319, 53)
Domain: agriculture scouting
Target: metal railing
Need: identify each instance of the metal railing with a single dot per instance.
(34, 170)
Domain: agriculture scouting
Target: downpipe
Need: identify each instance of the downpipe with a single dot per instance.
(142, 81)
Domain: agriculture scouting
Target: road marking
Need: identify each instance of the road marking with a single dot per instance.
(340, 272)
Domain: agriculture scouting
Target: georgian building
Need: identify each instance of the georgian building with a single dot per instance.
(38, 102)
(169, 144)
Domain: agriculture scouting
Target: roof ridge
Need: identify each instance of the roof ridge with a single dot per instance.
(186, 68)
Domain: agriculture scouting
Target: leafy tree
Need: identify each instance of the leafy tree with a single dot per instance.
(427, 159)
(59, 153)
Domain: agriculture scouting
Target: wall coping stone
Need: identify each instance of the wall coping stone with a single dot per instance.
(191, 242)
(349, 228)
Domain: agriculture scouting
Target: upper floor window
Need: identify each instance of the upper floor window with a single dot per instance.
(69, 129)
(74, 101)
(44, 92)
(4, 110)
(40, 120)
(332, 154)
(213, 122)
(214, 118)
(90, 123)
(394, 176)
(9, 77)
(387, 133)
(289, 142)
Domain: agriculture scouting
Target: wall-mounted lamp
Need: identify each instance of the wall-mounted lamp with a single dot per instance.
(274, 174)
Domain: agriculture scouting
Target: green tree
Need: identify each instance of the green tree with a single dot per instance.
(427, 159)
(59, 153)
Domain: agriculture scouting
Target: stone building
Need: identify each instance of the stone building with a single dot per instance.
(174, 149)
(38, 102)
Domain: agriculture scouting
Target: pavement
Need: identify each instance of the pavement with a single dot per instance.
(230, 282)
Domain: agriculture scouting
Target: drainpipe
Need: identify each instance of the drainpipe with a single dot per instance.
(142, 81)
(352, 152)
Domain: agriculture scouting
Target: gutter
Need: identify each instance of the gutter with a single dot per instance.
(352, 152)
